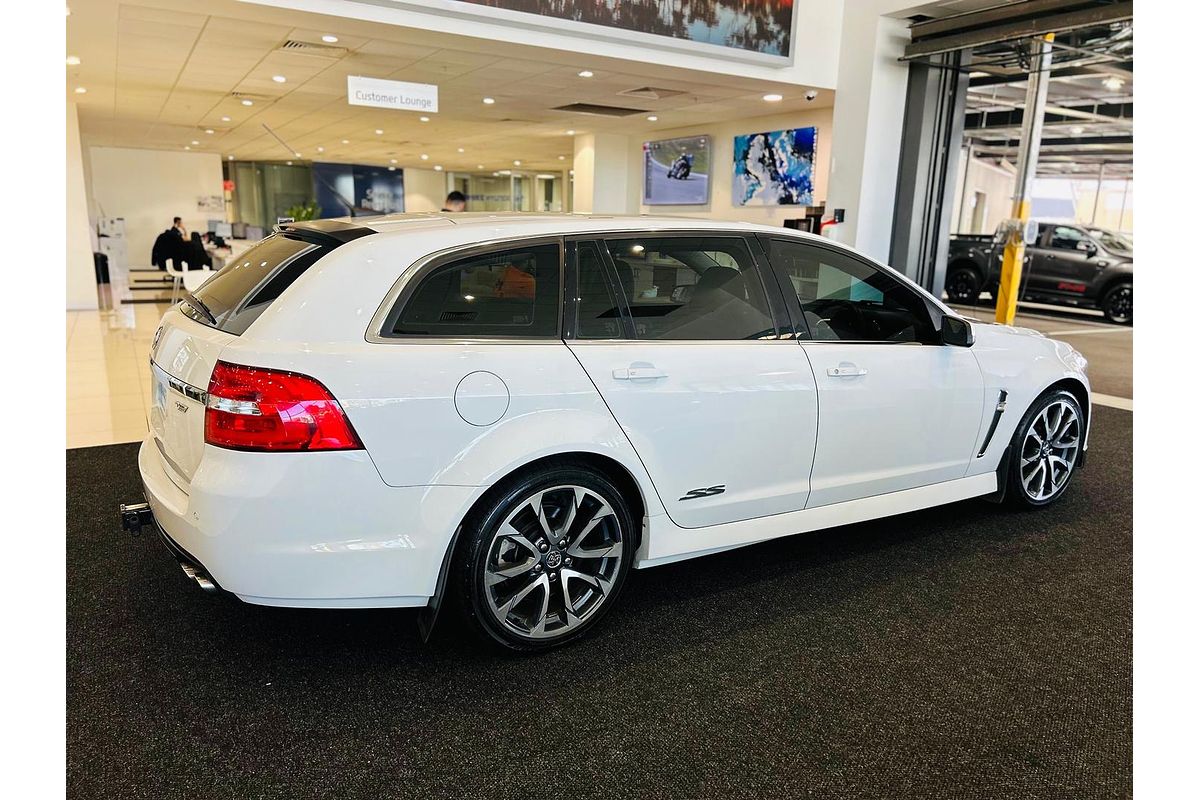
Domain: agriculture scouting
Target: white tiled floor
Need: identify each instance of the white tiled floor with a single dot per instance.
(108, 373)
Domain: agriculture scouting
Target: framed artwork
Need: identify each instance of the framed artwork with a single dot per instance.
(774, 168)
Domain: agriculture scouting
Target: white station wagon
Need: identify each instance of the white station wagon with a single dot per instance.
(512, 411)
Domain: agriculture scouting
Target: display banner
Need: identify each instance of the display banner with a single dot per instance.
(358, 190)
(400, 95)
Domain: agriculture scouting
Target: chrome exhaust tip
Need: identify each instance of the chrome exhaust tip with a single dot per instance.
(202, 580)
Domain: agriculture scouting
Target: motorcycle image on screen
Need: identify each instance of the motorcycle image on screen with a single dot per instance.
(681, 167)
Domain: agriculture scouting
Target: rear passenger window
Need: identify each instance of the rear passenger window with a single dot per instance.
(692, 287)
(506, 293)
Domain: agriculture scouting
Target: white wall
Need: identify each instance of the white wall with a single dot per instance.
(602, 174)
(148, 188)
(81, 276)
(720, 204)
(424, 189)
(869, 115)
(996, 184)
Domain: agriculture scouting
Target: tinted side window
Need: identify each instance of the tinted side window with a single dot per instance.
(844, 299)
(1065, 238)
(691, 287)
(597, 314)
(506, 293)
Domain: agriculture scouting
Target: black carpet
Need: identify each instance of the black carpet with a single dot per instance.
(963, 652)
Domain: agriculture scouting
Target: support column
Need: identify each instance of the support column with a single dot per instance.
(1031, 142)
(867, 114)
(932, 141)
(602, 174)
(81, 273)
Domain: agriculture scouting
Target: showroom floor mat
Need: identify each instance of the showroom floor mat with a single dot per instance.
(963, 652)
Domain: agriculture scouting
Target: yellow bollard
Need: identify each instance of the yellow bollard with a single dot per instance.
(1010, 268)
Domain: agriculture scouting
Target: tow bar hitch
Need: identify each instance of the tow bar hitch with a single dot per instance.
(135, 516)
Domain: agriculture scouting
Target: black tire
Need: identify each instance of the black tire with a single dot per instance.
(476, 556)
(963, 285)
(1117, 304)
(1018, 494)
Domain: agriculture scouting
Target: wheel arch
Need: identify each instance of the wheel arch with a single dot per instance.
(1081, 394)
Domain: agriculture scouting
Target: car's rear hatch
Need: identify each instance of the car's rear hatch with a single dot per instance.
(194, 333)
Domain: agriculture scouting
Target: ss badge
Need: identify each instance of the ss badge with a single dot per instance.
(696, 494)
(182, 407)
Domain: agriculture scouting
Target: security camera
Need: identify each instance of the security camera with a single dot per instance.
(810, 95)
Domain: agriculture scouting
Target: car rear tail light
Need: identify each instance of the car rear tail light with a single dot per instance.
(250, 408)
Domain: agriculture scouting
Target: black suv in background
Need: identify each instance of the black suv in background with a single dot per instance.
(1069, 264)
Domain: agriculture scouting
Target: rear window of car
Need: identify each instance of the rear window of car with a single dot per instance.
(237, 295)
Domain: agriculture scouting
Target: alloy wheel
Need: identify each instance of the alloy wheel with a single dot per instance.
(1120, 304)
(553, 562)
(1050, 450)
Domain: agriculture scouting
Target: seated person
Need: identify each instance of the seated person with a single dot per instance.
(168, 246)
(194, 254)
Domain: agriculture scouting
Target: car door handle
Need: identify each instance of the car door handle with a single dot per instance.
(845, 370)
(637, 373)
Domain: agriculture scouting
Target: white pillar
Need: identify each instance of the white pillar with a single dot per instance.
(868, 115)
(602, 174)
(81, 275)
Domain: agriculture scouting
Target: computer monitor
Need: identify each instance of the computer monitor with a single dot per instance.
(239, 230)
(224, 230)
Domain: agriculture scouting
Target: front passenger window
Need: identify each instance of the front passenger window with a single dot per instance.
(844, 299)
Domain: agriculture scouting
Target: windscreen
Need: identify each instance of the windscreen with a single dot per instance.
(232, 299)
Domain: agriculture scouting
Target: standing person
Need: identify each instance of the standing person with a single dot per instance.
(455, 201)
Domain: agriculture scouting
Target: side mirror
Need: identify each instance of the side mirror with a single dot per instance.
(957, 332)
(1086, 247)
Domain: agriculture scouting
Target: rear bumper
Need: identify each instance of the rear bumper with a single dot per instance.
(311, 530)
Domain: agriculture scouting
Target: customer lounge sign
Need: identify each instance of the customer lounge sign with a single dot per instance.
(380, 93)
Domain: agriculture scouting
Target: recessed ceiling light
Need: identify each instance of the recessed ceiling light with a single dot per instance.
(462, 150)
(379, 131)
(185, 147)
(320, 149)
(479, 166)
(195, 143)
(80, 90)
(329, 37)
(570, 133)
(231, 156)
(424, 119)
(279, 79)
(298, 155)
(587, 73)
(72, 61)
(394, 161)
(247, 102)
(772, 98)
(226, 119)
(437, 167)
(1113, 83)
(345, 141)
(487, 101)
(209, 131)
(652, 118)
(517, 163)
(391, 169)
(562, 158)
(289, 163)
(424, 156)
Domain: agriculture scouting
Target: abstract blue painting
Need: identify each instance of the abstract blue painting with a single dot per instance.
(775, 168)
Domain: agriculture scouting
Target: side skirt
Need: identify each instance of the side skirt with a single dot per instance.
(668, 542)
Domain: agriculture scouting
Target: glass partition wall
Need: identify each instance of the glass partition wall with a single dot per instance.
(512, 190)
